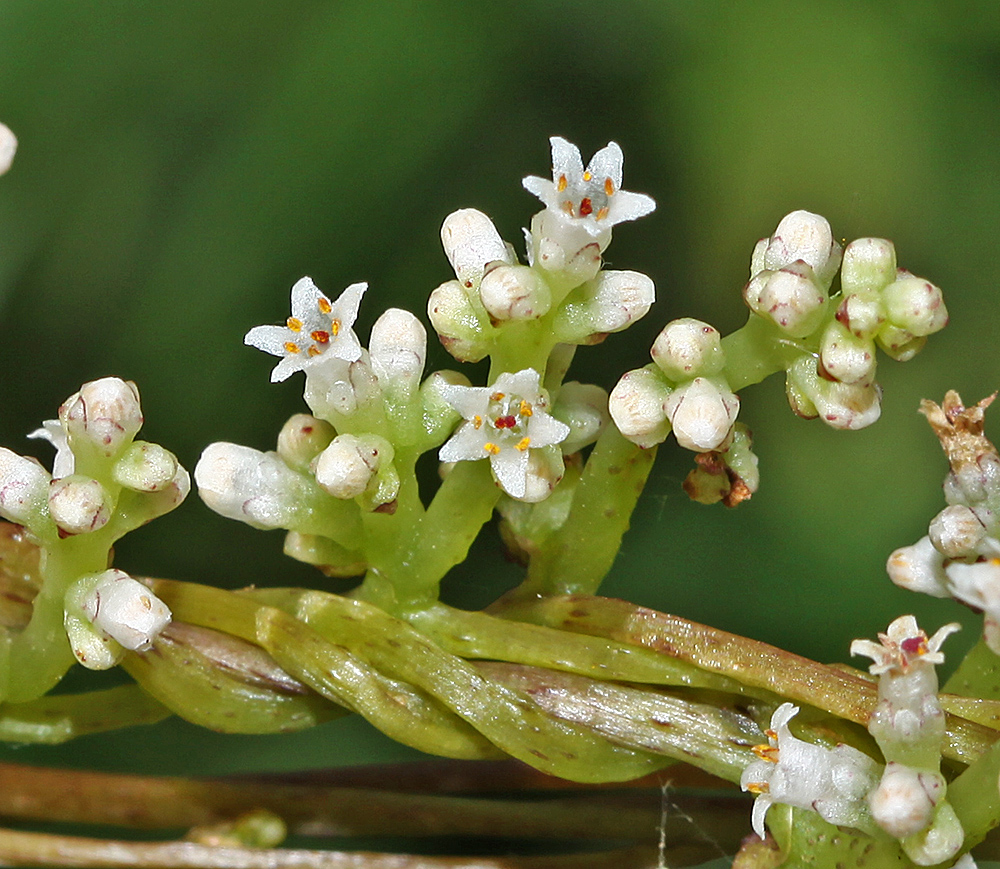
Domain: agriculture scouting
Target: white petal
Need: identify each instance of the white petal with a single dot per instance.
(469, 401)
(543, 189)
(510, 467)
(625, 205)
(760, 807)
(346, 307)
(305, 299)
(465, 445)
(607, 163)
(523, 383)
(545, 430)
(566, 159)
(270, 339)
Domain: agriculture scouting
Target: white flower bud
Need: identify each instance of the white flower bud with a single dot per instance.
(701, 413)
(398, 347)
(302, 438)
(514, 293)
(105, 413)
(869, 265)
(439, 416)
(145, 467)
(584, 408)
(903, 803)
(454, 319)
(339, 387)
(636, 405)
(8, 145)
(544, 472)
(920, 568)
(862, 316)
(915, 305)
(850, 406)
(899, 344)
(79, 504)
(791, 297)
(609, 303)
(803, 236)
(471, 242)
(845, 357)
(566, 250)
(126, 610)
(257, 488)
(956, 532)
(24, 488)
(347, 466)
(688, 348)
(978, 585)
(939, 842)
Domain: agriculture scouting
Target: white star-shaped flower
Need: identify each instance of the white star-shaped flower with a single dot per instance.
(503, 423)
(590, 197)
(903, 646)
(318, 330)
(832, 782)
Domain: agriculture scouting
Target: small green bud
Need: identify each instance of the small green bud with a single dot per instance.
(915, 305)
(145, 467)
(688, 348)
(869, 265)
(849, 406)
(861, 315)
(455, 320)
(398, 348)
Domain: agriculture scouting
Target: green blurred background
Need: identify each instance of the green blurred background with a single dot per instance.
(182, 164)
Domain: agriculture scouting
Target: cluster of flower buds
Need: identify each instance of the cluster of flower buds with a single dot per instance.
(790, 277)
(909, 726)
(8, 146)
(103, 484)
(832, 782)
(562, 284)
(960, 555)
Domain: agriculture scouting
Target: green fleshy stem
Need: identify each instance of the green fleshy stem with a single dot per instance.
(62, 717)
(758, 350)
(576, 558)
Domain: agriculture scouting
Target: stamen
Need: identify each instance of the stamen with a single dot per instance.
(567, 206)
(523, 444)
(477, 422)
(335, 328)
(914, 646)
(505, 421)
(602, 212)
(766, 752)
(587, 176)
(294, 323)
(314, 350)
(492, 449)
(291, 348)
(561, 185)
(497, 396)
(324, 305)
(771, 734)
(320, 337)
(609, 186)
(758, 787)
(586, 207)
(525, 409)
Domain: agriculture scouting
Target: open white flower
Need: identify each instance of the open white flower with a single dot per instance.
(591, 197)
(317, 330)
(833, 782)
(503, 423)
(903, 646)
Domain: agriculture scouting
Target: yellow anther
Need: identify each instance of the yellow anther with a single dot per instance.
(587, 176)
(492, 449)
(291, 348)
(294, 323)
(523, 444)
(324, 305)
(525, 409)
(497, 396)
(477, 422)
(758, 787)
(562, 183)
(609, 186)
(770, 734)
(766, 752)
(314, 350)
(335, 328)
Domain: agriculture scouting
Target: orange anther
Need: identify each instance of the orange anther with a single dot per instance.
(523, 444)
(587, 176)
(294, 323)
(766, 752)
(525, 408)
(291, 348)
(758, 787)
(497, 396)
(602, 212)
(314, 350)
(609, 186)
(492, 449)
(561, 185)
(324, 305)
(335, 328)
(477, 422)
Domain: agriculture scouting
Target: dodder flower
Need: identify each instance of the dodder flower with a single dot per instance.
(591, 197)
(832, 782)
(504, 423)
(317, 330)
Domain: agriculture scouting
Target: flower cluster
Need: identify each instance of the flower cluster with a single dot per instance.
(960, 555)
(103, 484)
